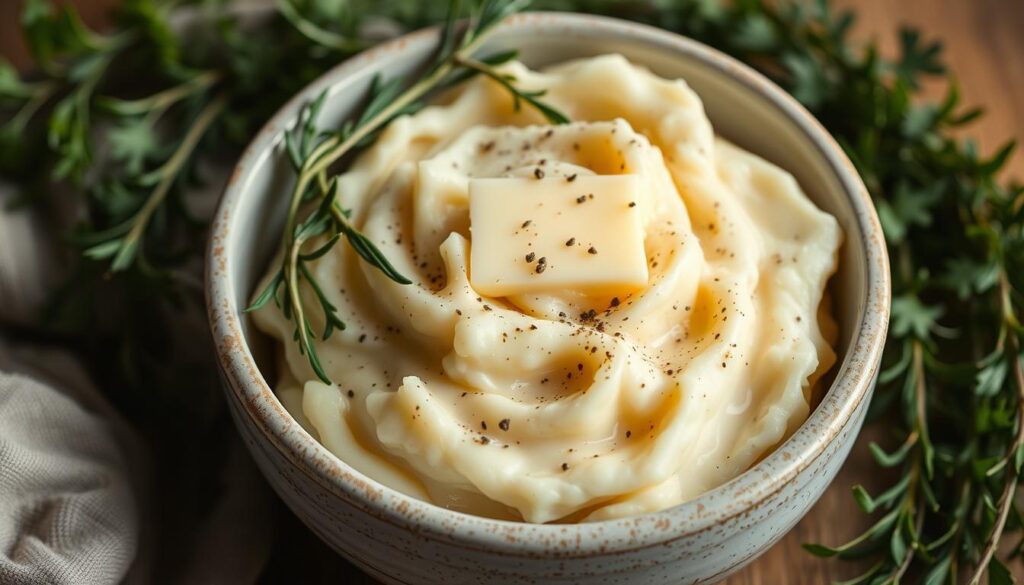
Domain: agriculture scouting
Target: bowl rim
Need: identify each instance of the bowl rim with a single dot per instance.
(853, 382)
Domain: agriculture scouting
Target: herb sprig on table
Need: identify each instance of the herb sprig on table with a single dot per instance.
(951, 385)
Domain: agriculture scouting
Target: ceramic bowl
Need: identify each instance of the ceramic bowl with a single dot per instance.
(403, 540)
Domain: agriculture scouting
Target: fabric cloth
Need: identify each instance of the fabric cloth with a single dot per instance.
(70, 468)
(79, 502)
(68, 511)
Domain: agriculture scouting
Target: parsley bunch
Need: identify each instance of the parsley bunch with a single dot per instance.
(952, 383)
(122, 120)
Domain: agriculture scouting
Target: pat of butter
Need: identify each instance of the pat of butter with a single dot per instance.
(551, 234)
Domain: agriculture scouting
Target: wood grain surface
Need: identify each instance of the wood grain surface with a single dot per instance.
(985, 50)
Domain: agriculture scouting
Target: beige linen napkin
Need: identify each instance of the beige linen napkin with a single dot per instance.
(68, 512)
(70, 468)
(76, 500)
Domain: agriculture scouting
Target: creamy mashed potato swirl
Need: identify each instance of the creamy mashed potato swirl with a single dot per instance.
(566, 406)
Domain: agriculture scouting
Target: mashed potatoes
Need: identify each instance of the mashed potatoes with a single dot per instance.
(568, 405)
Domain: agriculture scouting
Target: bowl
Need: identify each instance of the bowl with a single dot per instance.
(399, 539)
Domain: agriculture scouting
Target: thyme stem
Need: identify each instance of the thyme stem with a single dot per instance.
(1006, 498)
(132, 242)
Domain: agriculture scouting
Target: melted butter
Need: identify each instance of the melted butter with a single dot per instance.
(600, 155)
(703, 315)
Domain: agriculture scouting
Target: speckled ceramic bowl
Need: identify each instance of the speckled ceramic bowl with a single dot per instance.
(403, 540)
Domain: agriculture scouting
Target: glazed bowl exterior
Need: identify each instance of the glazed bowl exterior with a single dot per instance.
(399, 539)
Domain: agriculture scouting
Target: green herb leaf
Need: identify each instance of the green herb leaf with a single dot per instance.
(808, 81)
(132, 143)
(998, 574)
(967, 276)
(908, 208)
(897, 546)
(990, 379)
(11, 85)
(911, 317)
(886, 460)
(939, 574)
(917, 58)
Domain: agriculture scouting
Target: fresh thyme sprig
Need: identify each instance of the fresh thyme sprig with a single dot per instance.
(518, 96)
(123, 243)
(312, 153)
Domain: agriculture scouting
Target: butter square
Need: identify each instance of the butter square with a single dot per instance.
(551, 234)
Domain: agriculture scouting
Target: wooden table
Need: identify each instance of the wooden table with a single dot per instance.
(985, 49)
